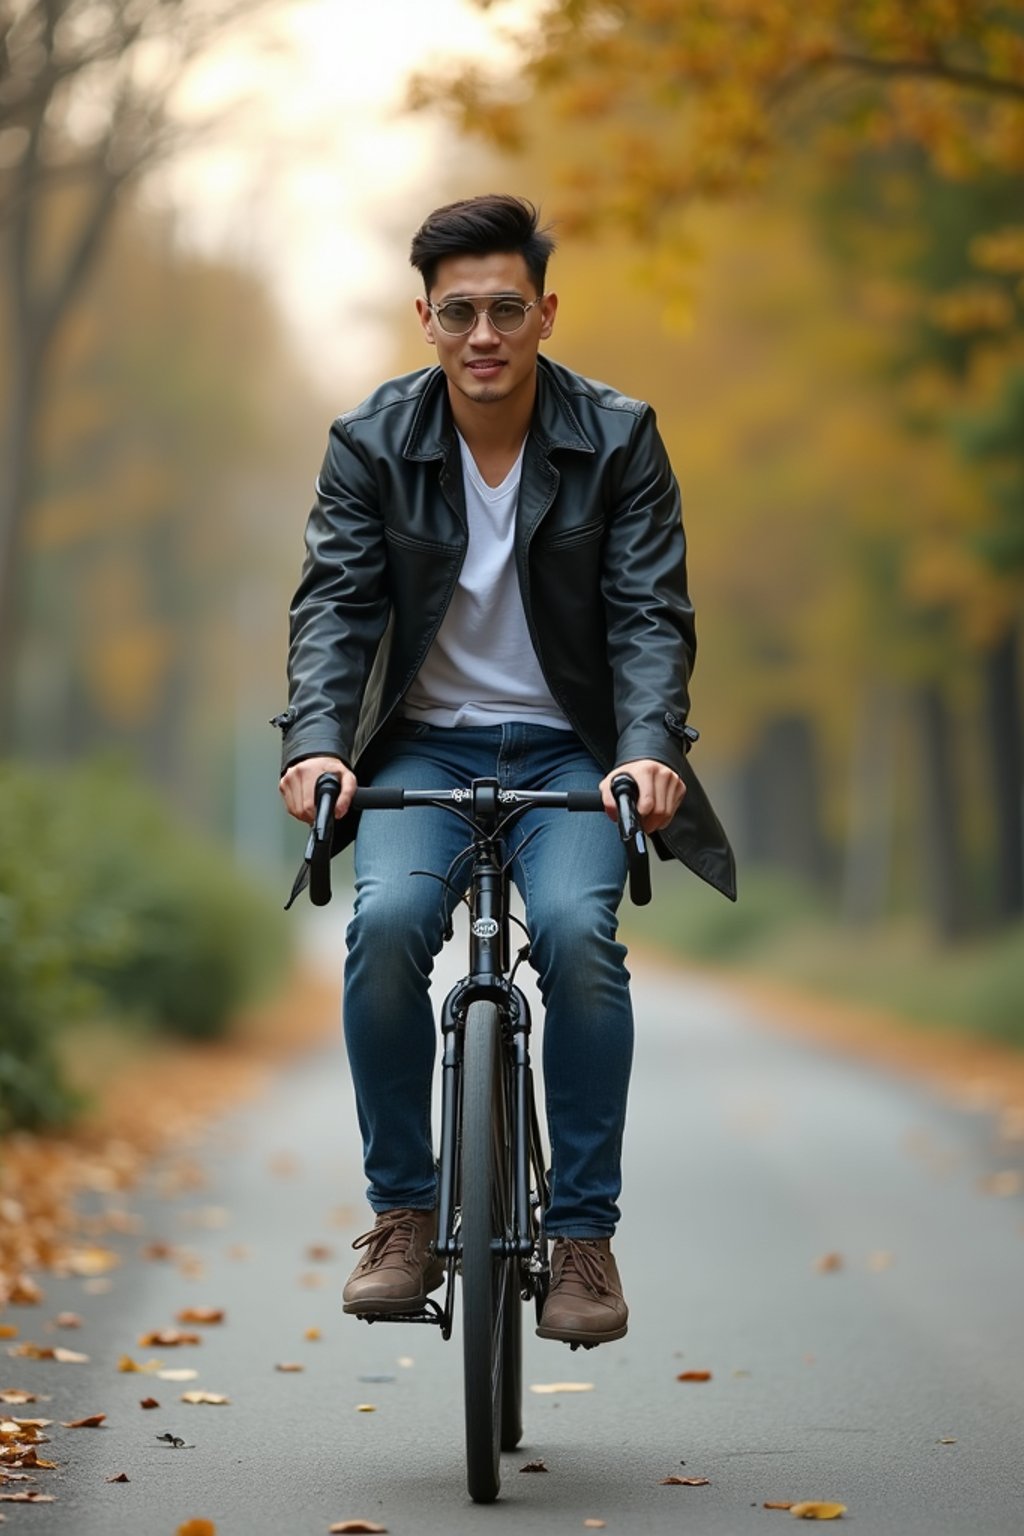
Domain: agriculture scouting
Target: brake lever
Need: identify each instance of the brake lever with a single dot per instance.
(315, 869)
(626, 792)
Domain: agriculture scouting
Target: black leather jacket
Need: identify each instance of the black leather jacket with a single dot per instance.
(601, 559)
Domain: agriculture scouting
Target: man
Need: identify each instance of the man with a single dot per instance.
(495, 585)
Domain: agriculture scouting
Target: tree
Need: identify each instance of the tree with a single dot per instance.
(686, 101)
(86, 107)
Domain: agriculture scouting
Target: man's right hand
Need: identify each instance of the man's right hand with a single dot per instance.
(298, 784)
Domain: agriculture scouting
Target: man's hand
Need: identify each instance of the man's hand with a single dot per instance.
(299, 782)
(661, 792)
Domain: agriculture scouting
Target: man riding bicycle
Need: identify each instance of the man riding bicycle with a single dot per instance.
(495, 585)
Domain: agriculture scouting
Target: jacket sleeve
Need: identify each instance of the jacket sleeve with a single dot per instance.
(340, 609)
(652, 641)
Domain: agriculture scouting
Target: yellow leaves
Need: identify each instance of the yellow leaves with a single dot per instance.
(973, 307)
(816, 1509)
(92, 1261)
(167, 1338)
(685, 1482)
(214, 1399)
(127, 1365)
(366, 1407)
(197, 1528)
(1000, 251)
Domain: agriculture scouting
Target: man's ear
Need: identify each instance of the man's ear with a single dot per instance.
(548, 308)
(426, 318)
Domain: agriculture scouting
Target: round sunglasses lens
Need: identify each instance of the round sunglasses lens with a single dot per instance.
(507, 315)
(456, 317)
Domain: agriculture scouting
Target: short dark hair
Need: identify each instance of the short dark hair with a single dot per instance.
(479, 226)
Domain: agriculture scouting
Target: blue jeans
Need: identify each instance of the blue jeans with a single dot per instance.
(571, 877)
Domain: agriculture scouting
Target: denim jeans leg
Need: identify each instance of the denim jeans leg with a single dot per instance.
(571, 875)
(395, 933)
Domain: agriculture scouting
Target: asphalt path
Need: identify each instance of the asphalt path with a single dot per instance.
(888, 1377)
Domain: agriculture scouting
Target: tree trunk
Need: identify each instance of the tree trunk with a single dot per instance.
(16, 475)
(782, 821)
(867, 865)
(945, 885)
(1003, 721)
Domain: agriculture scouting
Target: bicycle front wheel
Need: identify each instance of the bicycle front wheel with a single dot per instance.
(488, 1276)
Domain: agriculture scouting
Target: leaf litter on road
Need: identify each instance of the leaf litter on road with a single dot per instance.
(91, 1421)
(694, 1376)
(562, 1386)
(817, 1509)
(341, 1527)
(685, 1482)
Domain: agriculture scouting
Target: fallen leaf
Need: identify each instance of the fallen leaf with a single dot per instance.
(216, 1398)
(122, 1477)
(30, 1351)
(183, 1373)
(685, 1482)
(594, 1525)
(8, 1331)
(777, 1504)
(289, 1365)
(149, 1402)
(312, 1334)
(30, 1497)
(1008, 1181)
(24, 1292)
(167, 1338)
(341, 1526)
(562, 1386)
(93, 1421)
(366, 1408)
(158, 1251)
(197, 1528)
(406, 1362)
(127, 1365)
(92, 1261)
(15, 1397)
(694, 1376)
(533, 1466)
(817, 1509)
(947, 1440)
(824, 1264)
(205, 1315)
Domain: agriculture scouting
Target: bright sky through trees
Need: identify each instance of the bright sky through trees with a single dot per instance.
(319, 177)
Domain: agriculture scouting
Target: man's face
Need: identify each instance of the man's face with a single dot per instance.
(485, 365)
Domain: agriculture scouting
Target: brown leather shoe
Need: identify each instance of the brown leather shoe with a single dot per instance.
(585, 1304)
(398, 1268)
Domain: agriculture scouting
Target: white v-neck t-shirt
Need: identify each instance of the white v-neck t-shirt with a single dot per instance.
(482, 668)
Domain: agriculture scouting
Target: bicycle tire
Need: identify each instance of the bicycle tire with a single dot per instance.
(512, 1365)
(487, 1278)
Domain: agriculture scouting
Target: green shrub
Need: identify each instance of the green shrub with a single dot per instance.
(109, 906)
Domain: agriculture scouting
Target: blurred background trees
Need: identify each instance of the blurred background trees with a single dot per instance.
(855, 481)
(798, 231)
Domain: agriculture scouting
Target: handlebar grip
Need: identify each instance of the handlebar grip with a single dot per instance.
(379, 797)
(626, 793)
(321, 839)
(584, 800)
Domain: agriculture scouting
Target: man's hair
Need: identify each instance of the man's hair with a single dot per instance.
(480, 226)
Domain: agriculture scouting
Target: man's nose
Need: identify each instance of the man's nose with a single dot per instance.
(489, 331)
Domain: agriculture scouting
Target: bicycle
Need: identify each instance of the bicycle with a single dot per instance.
(493, 1183)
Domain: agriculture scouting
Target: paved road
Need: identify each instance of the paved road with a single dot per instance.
(749, 1157)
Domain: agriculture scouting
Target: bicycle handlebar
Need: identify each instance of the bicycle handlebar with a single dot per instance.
(316, 866)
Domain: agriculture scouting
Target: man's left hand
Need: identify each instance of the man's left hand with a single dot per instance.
(661, 792)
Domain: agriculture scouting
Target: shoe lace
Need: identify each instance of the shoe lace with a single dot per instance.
(587, 1262)
(393, 1231)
